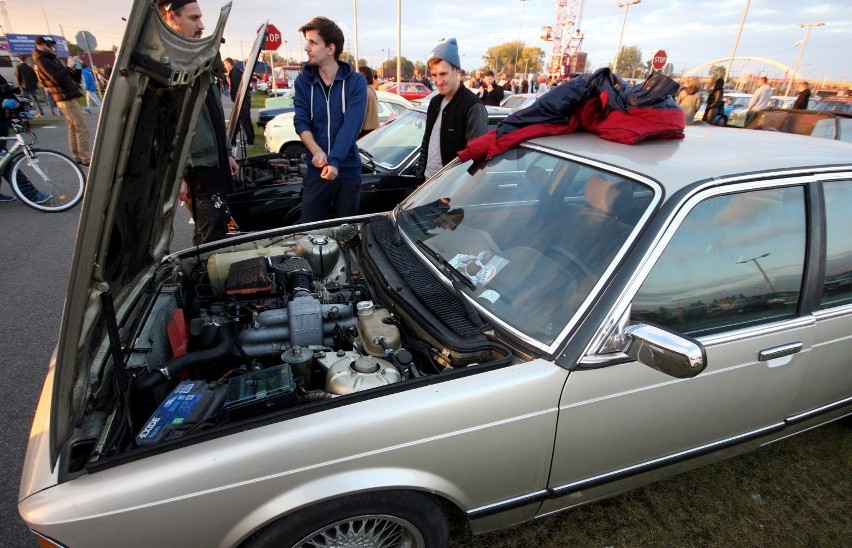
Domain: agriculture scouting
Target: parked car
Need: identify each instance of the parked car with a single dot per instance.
(275, 106)
(410, 90)
(519, 101)
(281, 136)
(424, 101)
(835, 104)
(269, 192)
(816, 123)
(567, 320)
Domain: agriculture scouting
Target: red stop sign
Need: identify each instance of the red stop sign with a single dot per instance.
(273, 38)
(660, 59)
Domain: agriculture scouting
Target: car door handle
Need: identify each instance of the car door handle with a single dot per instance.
(779, 351)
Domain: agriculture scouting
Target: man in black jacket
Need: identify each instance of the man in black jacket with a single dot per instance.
(235, 75)
(59, 80)
(455, 115)
(28, 83)
(492, 93)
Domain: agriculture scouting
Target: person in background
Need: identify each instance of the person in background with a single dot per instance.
(213, 169)
(60, 81)
(371, 117)
(28, 82)
(234, 77)
(454, 116)
(760, 99)
(492, 93)
(91, 87)
(804, 96)
(715, 102)
(329, 109)
(689, 100)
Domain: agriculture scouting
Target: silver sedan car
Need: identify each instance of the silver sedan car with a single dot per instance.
(568, 320)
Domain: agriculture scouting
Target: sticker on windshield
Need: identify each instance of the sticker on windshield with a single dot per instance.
(480, 268)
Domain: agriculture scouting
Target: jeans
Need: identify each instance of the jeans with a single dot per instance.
(31, 94)
(323, 199)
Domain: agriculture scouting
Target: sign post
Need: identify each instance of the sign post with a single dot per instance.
(660, 59)
(86, 41)
(273, 42)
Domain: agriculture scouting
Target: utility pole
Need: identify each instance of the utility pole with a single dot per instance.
(809, 26)
(626, 6)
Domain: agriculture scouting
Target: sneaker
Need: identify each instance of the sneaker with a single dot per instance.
(6, 198)
(41, 197)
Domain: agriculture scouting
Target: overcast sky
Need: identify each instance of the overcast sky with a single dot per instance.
(692, 32)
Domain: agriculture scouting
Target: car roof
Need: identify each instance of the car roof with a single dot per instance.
(705, 153)
(393, 98)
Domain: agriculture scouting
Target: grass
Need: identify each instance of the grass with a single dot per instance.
(796, 492)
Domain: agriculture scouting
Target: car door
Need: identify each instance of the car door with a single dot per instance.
(728, 271)
(827, 380)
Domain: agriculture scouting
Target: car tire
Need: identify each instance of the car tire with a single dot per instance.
(292, 149)
(722, 121)
(387, 518)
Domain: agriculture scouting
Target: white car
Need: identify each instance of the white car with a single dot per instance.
(280, 133)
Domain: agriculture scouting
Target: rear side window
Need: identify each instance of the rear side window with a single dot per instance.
(837, 287)
(735, 261)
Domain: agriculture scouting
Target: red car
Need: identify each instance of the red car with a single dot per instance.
(410, 90)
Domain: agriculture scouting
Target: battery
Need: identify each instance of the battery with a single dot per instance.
(261, 392)
(190, 403)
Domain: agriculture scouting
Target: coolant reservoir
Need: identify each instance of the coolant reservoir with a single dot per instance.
(320, 251)
(371, 327)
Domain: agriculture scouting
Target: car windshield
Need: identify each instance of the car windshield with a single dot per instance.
(390, 145)
(527, 237)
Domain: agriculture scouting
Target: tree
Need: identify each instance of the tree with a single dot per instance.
(629, 61)
(389, 67)
(716, 72)
(514, 58)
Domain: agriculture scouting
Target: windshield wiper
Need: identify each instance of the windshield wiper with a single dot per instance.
(369, 157)
(446, 267)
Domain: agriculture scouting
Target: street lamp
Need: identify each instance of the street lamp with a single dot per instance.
(626, 6)
(737, 42)
(520, 26)
(801, 51)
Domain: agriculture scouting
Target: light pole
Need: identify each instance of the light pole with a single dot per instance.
(760, 268)
(520, 26)
(737, 42)
(809, 26)
(626, 6)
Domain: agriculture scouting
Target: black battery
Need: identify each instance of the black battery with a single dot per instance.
(261, 392)
(190, 403)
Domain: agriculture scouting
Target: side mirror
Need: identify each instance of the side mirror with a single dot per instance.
(667, 352)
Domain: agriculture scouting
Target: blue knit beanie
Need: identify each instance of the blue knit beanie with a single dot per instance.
(448, 50)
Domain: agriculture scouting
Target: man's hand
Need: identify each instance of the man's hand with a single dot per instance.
(183, 194)
(329, 173)
(235, 169)
(319, 159)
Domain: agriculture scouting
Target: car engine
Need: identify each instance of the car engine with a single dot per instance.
(263, 328)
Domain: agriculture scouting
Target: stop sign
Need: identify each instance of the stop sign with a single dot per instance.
(273, 38)
(660, 59)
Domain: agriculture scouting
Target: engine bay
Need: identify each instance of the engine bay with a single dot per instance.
(264, 327)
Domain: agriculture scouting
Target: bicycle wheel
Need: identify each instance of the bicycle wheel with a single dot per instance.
(46, 180)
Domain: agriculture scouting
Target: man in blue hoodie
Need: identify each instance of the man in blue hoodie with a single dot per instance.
(329, 106)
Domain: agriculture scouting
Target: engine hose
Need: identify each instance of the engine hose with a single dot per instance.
(174, 366)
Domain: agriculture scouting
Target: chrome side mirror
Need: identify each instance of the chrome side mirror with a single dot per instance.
(667, 352)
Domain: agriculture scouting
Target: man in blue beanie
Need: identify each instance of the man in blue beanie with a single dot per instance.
(329, 108)
(454, 117)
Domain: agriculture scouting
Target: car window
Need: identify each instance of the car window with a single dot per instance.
(736, 260)
(529, 234)
(391, 144)
(837, 288)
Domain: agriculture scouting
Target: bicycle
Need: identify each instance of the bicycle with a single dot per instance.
(42, 179)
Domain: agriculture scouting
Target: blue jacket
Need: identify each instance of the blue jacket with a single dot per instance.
(89, 80)
(335, 122)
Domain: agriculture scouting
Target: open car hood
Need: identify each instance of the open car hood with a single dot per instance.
(154, 97)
